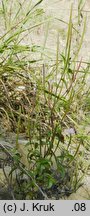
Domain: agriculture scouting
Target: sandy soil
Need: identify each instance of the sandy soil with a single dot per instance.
(61, 10)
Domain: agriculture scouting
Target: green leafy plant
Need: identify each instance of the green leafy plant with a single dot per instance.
(45, 107)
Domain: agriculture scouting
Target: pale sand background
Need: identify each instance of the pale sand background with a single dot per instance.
(57, 9)
(61, 9)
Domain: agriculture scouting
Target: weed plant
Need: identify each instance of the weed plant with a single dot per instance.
(47, 103)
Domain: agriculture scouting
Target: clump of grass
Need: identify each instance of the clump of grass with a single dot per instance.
(45, 106)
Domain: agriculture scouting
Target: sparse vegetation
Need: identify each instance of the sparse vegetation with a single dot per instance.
(46, 102)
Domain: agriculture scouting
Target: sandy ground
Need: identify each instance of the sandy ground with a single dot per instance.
(61, 10)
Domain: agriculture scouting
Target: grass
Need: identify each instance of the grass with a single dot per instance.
(47, 102)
